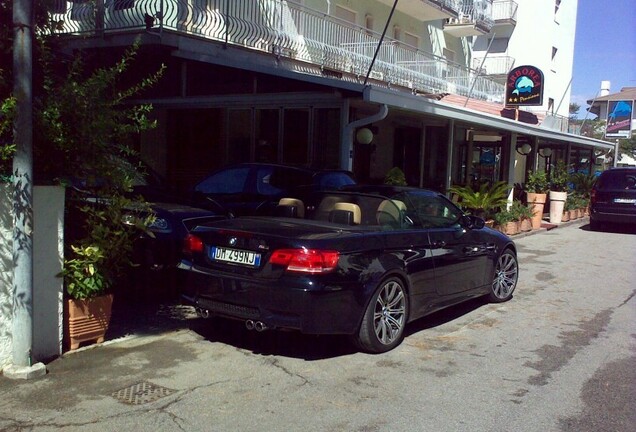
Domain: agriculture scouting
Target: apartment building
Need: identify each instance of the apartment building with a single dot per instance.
(296, 81)
(538, 33)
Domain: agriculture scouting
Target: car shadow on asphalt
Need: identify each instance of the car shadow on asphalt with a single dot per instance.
(612, 228)
(309, 347)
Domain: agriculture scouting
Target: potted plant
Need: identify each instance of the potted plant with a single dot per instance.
(505, 222)
(97, 260)
(558, 191)
(537, 187)
(566, 209)
(395, 176)
(523, 214)
(482, 202)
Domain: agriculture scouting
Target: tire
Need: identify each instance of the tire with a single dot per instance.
(505, 278)
(382, 327)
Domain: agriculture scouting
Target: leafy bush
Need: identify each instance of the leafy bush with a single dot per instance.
(503, 217)
(484, 201)
(520, 211)
(559, 178)
(537, 182)
(395, 176)
(583, 183)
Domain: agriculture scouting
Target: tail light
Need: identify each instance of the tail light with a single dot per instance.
(593, 196)
(192, 244)
(306, 260)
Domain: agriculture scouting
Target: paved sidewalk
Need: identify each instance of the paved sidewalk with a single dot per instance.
(145, 342)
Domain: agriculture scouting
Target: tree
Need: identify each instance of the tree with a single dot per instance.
(574, 110)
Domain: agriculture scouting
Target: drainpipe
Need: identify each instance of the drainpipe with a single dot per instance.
(346, 161)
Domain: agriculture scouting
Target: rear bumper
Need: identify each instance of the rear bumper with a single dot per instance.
(303, 304)
(612, 217)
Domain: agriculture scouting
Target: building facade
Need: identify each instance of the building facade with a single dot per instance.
(294, 81)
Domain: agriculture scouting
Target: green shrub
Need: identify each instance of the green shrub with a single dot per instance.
(482, 202)
(537, 182)
(395, 177)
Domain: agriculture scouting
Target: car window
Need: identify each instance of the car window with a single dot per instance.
(332, 180)
(432, 211)
(229, 181)
(617, 180)
(277, 180)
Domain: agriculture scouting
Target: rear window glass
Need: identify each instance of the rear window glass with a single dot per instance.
(333, 180)
(276, 180)
(617, 180)
(229, 181)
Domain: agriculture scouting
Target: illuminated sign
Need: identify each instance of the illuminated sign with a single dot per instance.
(619, 119)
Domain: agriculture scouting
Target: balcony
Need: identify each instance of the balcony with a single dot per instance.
(309, 41)
(504, 14)
(494, 65)
(427, 10)
(475, 19)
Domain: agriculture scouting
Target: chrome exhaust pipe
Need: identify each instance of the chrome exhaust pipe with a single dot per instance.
(249, 324)
(260, 326)
(203, 313)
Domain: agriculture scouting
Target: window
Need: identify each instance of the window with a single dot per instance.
(228, 181)
(345, 14)
(412, 40)
(368, 22)
(397, 33)
(432, 211)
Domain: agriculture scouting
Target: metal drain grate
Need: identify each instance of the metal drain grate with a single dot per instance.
(142, 393)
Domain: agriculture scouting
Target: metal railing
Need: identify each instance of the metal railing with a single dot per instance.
(504, 10)
(282, 28)
(494, 65)
(478, 12)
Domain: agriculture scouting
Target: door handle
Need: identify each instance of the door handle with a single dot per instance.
(491, 246)
(471, 249)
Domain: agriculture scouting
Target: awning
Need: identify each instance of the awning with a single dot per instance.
(432, 107)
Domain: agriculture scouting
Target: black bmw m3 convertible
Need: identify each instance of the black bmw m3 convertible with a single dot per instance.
(363, 261)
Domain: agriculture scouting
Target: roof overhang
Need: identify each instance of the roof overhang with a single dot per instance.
(429, 106)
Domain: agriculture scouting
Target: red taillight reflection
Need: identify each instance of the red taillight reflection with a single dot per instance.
(593, 196)
(192, 244)
(306, 260)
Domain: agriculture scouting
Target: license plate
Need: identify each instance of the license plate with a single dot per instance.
(235, 256)
(625, 200)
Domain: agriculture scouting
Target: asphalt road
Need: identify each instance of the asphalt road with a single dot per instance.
(560, 356)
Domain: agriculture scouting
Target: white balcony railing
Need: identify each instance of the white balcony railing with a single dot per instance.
(495, 65)
(282, 28)
(477, 12)
(504, 10)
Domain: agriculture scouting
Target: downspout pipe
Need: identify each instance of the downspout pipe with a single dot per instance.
(347, 134)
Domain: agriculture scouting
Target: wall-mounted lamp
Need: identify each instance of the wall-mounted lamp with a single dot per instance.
(546, 152)
(524, 149)
(364, 135)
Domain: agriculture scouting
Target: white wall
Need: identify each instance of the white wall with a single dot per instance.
(6, 273)
(48, 247)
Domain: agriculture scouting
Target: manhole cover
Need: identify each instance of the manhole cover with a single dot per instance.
(142, 393)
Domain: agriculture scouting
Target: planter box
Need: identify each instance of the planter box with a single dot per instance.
(87, 320)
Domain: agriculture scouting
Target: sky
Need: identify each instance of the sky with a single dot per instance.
(604, 49)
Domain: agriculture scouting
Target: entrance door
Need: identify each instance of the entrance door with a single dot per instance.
(406, 153)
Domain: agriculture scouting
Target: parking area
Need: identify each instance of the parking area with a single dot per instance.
(558, 357)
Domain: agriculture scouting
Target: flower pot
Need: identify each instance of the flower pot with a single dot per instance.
(566, 216)
(525, 225)
(509, 228)
(536, 202)
(557, 202)
(87, 320)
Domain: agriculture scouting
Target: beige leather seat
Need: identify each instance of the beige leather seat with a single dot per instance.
(390, 213)
(291, 207)
(346, 213)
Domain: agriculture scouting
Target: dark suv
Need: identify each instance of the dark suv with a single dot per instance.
(613, 198)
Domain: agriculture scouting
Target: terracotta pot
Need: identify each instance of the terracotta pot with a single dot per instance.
(536, 202)
(566, 216)
(572, 214)
(557, 202)
(509, 228)
(525, 225)
(87, 320)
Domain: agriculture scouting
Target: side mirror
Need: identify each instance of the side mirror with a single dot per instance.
(472, 222)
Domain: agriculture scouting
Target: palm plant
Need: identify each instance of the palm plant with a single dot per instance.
(583, 183)
(482, 202)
